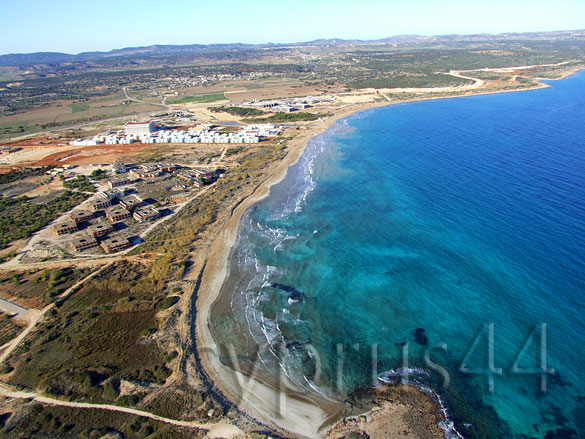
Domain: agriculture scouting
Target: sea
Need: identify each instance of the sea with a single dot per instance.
(440, 243)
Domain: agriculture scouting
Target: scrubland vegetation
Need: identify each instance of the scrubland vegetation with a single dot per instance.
(21, 217)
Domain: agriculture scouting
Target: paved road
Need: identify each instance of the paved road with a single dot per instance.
(13, 308)
(163, 104)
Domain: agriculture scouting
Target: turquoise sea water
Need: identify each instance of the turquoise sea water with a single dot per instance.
(451, 216)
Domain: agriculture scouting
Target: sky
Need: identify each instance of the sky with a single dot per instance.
(77, 26)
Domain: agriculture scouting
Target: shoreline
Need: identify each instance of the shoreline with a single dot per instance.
(302, 414)
(306, 417)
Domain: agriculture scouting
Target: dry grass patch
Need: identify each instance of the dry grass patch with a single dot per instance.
(97, 337)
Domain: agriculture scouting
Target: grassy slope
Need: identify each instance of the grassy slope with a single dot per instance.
(202, 99)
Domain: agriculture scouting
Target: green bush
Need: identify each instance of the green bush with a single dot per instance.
(238, 111)
(290, 117)
(167, 302)
(128, 400)
(234, 150)
(111, 389)
(81, 183)
(147, 332)
(98, 174)
(6, 368)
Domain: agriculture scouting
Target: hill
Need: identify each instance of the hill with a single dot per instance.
(21, 59)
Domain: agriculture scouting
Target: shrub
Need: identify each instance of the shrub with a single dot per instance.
(111, 389)
(167, 302)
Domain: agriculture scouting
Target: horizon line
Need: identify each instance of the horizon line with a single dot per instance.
(269, 43)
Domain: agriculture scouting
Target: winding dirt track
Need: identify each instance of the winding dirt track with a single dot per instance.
(36, 315)
(221, 429)
(477, 83)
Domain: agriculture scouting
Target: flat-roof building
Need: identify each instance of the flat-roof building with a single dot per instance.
(111, 194)
(100, 204)
(80, 216)
(100, 228)
(147, 171)
(191, 176)
(83, 243)
(166, 167)
(146, 214)
(111, 245)
(139, 128)
(117, 182)
(66, 227)
(117, 213)
(119, 168)
(131, 202)
(206, 175)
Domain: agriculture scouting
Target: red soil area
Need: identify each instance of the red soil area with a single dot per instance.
(36, 141)
(92, 154)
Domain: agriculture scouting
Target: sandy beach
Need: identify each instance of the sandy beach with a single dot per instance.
(306, 416)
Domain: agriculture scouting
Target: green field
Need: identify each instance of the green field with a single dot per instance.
(40, 287)
(201, 99)
(77, 108)
(45, 421)
(253, 86)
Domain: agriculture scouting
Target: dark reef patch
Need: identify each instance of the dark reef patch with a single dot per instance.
(420, 337)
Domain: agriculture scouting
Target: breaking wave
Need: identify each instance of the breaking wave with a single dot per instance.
(256, 296)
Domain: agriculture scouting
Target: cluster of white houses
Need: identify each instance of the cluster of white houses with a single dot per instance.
(290, 105)
(177, 136)
(146, 133)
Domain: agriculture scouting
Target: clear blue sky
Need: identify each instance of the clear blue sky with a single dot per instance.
(77, 26)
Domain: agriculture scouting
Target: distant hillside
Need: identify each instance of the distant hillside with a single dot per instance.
(18, 59)
(51, 57)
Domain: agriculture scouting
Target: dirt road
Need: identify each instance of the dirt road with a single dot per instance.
(221, 429)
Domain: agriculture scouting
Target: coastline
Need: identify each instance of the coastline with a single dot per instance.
(302, 415)
(305, 417)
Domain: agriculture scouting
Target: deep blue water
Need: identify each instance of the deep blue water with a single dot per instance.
(445, 215)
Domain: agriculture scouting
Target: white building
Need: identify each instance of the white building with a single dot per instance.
(119, 168)
(119, 140)
(139, 128)
(177, 136)
(263, 130)
(88, 142)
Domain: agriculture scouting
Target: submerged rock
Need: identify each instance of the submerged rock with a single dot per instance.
(561, 433)
(297, 344)
(420, 337)
(294, 294)
(556, 380)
